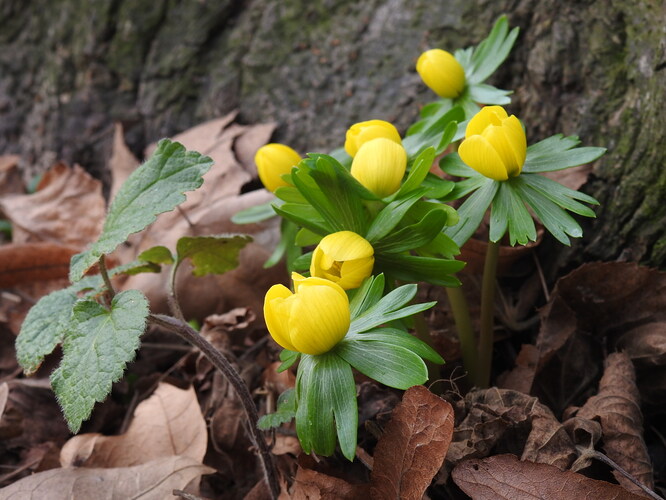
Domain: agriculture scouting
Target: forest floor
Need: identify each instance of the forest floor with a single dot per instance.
(576, 409)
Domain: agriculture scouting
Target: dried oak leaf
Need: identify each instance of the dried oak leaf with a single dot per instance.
(10, 176)
(122, 162)
(504, 477)
(622, 305)
(617, 408)
(313, 485)
(169, 423)
(154, 480)
(498, 419)
(67, 208)
(413, 446)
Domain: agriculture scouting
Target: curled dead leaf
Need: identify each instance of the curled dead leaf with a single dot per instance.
(313, 485)
(413, 446)
(28, 262)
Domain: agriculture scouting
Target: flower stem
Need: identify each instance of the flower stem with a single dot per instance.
(487, 313)
(463, 323)
(221, 363)
(423, 333)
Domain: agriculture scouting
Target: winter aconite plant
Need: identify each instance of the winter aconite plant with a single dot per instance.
(360, 227)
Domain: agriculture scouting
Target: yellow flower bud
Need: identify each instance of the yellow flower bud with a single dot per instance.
(344, 258)
(274, 160)
(441, 72)
(495, 144)
(362, 132)
(380, 166)
(312, 320)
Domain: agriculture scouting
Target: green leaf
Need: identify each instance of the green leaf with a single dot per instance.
(437, 132)
(157, 255)
(555, 220)
(288, 358)
(257, 213)
(487, 94)
(471, 212)
(417, 268)
(492, 51)
(431, 113)
(286, 410)
(305, 238)
(44, 328)
(96, 348)
(437, 187)
(366, 296)
(155, 187)
(211, 254)
(452, 164)
(287, 235)
(560, 194)
(417, 173)
(414, 235)
(391, 215)
(388, 364)
(399, 338)
(305, 216)
(508, 210)
(302, 262)
(557, 153)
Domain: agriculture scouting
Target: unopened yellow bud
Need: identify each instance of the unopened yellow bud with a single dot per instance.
(312, 320)
(380, 165)
(495, 144)
(362, 132)
(441, 72)
(344, 258)
(273, 161)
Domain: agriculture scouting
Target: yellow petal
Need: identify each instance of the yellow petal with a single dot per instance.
(516, 137)
(488, 115)
(362, 132)
(273, 161)
(440, 71)
(353, 272)
(479, 154)
(277, 310)
(319, 317)
(380, 166)
(345, 245)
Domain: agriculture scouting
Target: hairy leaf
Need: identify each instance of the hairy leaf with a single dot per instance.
(211, 254)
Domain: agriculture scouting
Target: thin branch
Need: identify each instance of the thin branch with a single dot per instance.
(221, 363)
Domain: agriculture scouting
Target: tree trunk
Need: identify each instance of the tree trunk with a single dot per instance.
(70, 68)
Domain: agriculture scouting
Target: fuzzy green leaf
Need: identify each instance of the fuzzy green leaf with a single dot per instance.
(157, 255)
(286, 410)
(44, 328)
(155, 187)
(211, 254)
(96, 348)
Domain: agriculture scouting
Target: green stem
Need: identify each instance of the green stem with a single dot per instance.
(105, 276)
(423, 333)
(463, 322)
(487, 313)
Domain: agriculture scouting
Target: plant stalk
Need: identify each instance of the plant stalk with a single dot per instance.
(487, 313)
(222, 363)
(423, 333)
(463, 322)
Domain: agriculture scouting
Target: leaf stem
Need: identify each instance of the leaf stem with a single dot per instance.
(105, 276)
(463, 322)
(487, 312)
(222, 363)
(172, 298)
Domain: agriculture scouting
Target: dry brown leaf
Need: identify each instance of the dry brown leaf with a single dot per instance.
(313, 485)
(622, 305)
(617, 408)
(502, 419)
(521, 377)
(153, 480)
(573, 178)
(10, 176)
(504, 477)
(169, 423)
(413, 446)
(122, 162)
(27, 262)
(68, 208)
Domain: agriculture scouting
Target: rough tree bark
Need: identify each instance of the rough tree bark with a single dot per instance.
(70, 68)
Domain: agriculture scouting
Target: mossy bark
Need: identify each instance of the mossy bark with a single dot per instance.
(70, 68)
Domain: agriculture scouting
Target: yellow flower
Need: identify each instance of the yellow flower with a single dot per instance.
(312, 320)
(495, 144)
(441, 72)
(362, 132)
(273, 161)
(344, 258)
(380, 166)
